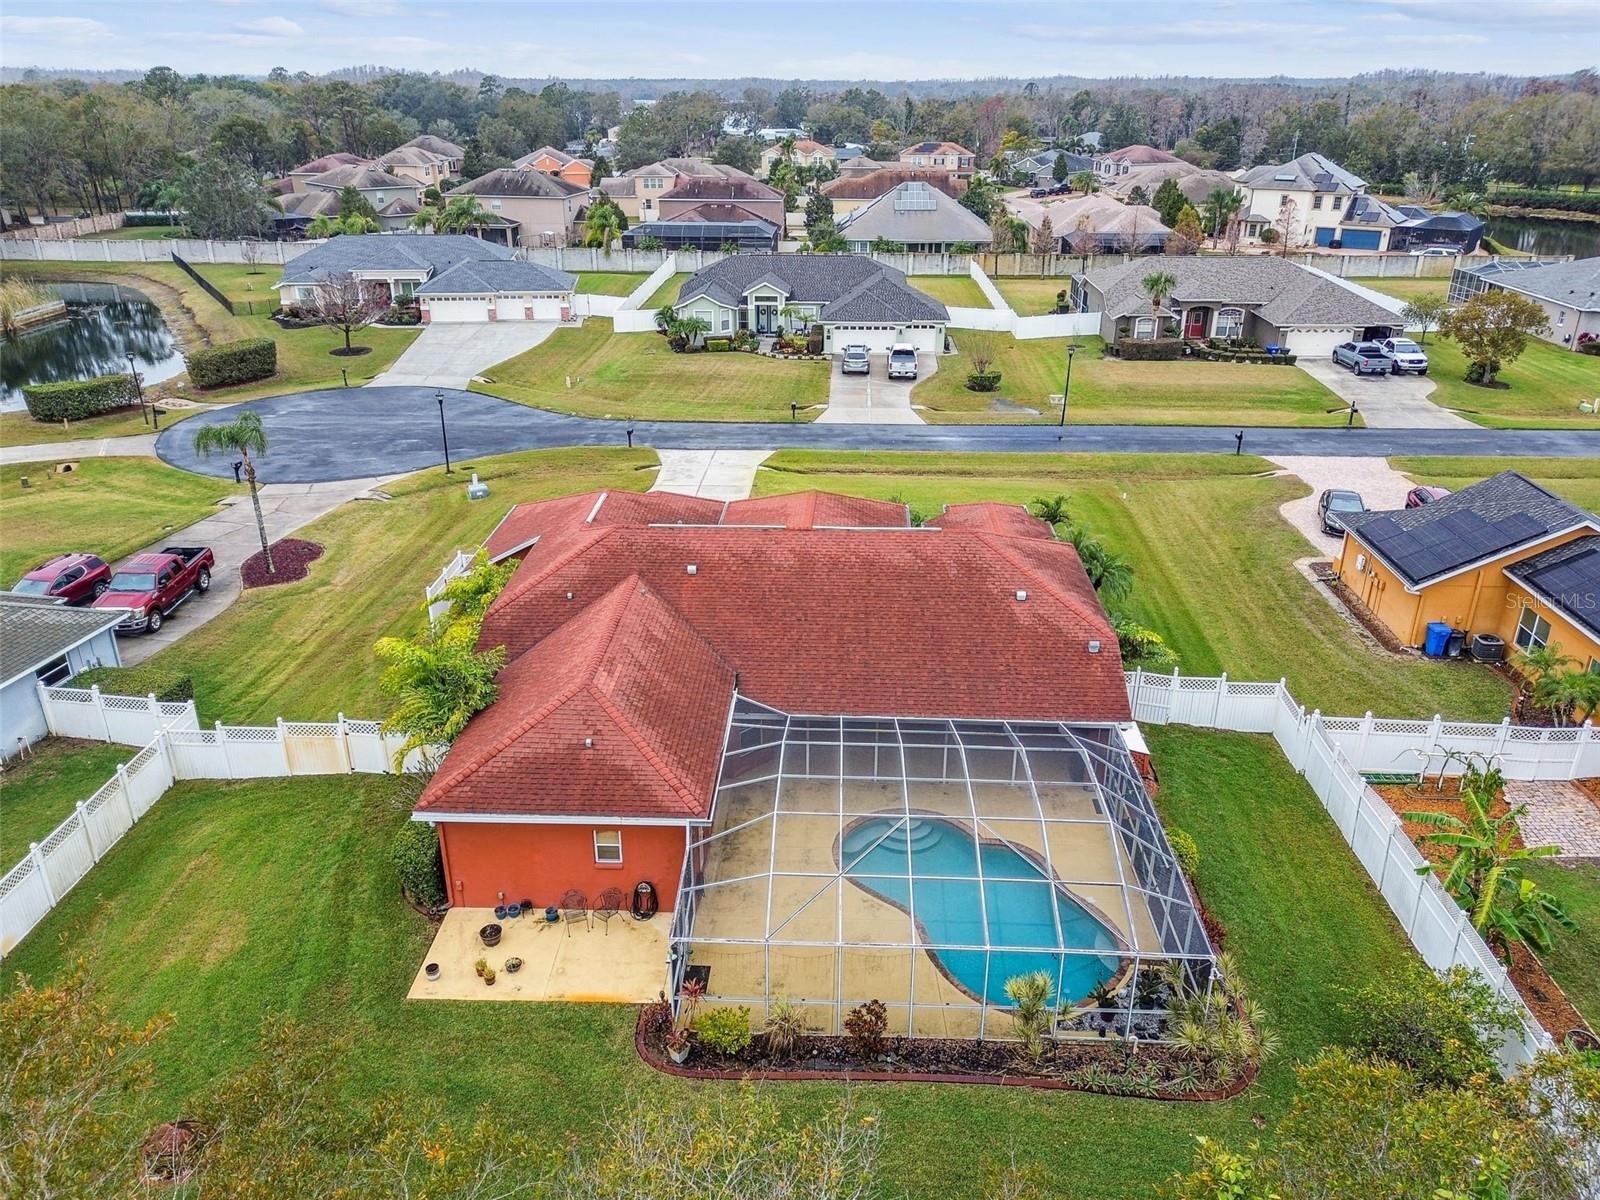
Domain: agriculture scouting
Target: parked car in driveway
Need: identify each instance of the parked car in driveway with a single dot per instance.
(856, 361)
(902, 362)
(151, 585)
(67, 578)
(1418, 496)
(1407, 356)
(1333, 505)
(1364, 358)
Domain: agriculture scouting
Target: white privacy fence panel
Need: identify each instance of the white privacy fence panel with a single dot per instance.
(177, 749)
(997, 319)
(130, 720)
(459, 565)
(1332, 752)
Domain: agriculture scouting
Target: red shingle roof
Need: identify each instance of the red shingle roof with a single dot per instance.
(619, 712)
(817, 510)
(1011, 519)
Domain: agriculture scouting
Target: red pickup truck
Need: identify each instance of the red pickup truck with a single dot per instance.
(151, 585)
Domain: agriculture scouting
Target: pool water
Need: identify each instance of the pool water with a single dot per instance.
(1016, 901)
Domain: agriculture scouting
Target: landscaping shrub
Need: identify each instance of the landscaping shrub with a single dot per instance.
(243, 361)
(75, 399)
(1584, 202)
(1183, 845)
(786, 1025)
(415, 853)
(725, 1030)
(144, 220)
(983, 381)
(1444, 1027)
(1158, 350)
(864, 1028)
(401, 316)
(1590, 347)
(719, 344)
(166, 683)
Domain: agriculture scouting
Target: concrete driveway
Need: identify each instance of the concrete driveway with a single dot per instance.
(1380, 485)
(874, 398)
(448, 356)
(1385, 401)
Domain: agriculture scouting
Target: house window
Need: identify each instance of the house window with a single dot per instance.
(1561, 317)
(1533, 631)
(1230, 323)
(1144, 329)
(608, 847)
(494, 204)
(1338, 203)
(54, 672)
(652, 183)
(1316, 202)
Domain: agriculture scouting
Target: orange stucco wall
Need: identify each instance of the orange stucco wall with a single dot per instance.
(542, 862)
(1484, 600)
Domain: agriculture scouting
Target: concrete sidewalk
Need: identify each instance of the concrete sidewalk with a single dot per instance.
(231, 533)
(448, 356)
(138, 445)
(714, 474)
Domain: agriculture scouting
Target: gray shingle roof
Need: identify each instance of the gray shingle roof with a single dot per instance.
(410, 156)
(1480, 522)
(896, 216)
(487, 276)
(34, 630)
(1280, 292)
(438, 145)
(432, 252)
(515, 181)
(1574, 284)
(863, 289)
(363, 176)
(1310, 172)
(1569, 578)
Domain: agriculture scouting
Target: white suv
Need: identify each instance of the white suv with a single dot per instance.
(902, 362)
(1407, 355)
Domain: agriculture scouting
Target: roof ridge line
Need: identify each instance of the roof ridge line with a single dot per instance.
(591, 539)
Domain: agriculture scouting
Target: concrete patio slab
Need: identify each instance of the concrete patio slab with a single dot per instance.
(622, 961)
(713, 474)
(448, 356)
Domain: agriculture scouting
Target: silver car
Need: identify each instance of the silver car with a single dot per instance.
(1364, 358)
(1407, 356)
(855, 361)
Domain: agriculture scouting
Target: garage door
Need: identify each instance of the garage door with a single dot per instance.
(1362, 239)
(881, 337)
(511, 308)
(1325, 236)
(442, 312)
(548, 308)
(1315, 343)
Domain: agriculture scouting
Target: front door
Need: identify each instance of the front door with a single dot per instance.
(766, 318)
(1194, 322)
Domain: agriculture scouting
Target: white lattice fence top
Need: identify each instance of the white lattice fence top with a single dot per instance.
(1251, 689)
(142, 759)
(1196, 683)
(250, 733)
(107, 790)
(193, 737)
(309, 729)
(1399, 725)
(171, 708)
(69, 695)
(60, 834)
(16, 877)
(364, 727)
(142, 703)
(1341, 724)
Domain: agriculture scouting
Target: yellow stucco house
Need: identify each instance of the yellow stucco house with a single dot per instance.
(1504, 557)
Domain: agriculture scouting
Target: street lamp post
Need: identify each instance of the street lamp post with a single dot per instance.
(444, 436)
(1066, 393)
(138, 387)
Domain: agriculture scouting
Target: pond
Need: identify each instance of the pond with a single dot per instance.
(104, 324)
(1546, 236)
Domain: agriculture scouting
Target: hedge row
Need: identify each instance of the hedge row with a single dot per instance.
(1584, 202)
(75, 399)
(1231, 354)
(141, 220)
(165, 682)
(233, 362)
(1159, 350)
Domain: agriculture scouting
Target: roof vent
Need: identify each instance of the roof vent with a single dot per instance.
(692, 569)
(588, 743)
(569, 595)
(1021, 595)
(1094, 645)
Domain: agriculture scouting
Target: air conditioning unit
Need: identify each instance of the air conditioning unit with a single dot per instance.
(1487, 648)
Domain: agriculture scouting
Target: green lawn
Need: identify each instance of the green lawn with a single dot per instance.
(1406, 289)
(609, 283)
(667, 292)
(267, 655)
(1213, 564)
(1032, 296)
(1111, 391)
(1578, 479)
(230, 901)
(637, 375)
(20, 429)
(40, 790)
(136, 233)
(106, 506)
(961, 290)
(1543, 387)
(1574, 959)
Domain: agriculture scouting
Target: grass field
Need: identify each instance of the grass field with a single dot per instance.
(960, 290)
(1032, 297)
(1574, 959)
(107, 506)
(232, 901)
(1543, 387)
(1110, 391)
(609, 283)
(1578, 479)
(667, 292)
(1406, 289)
(1213, 565)
(637, 375)
(40, 790)
(265, 656)
(136, 233)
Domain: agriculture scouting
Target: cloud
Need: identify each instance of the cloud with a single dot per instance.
(362, 8)
(1180, 33)
(53, 28)
(271, 27)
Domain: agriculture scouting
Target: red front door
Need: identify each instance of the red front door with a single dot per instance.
(1194, 323)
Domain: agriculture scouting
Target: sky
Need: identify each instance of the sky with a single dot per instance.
(893, 40)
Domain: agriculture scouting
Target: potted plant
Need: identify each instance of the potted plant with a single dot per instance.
(431, 971)
(513, 965)
(480, 967)
(489, 935)
(488, 977)
(678, 1045)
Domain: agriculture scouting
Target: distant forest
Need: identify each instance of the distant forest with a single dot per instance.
(108, 140)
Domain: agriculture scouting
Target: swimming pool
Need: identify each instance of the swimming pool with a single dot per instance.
(1009, 909)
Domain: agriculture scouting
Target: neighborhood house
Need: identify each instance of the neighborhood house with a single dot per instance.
(537, 209)
(1569, 292)
(856, 300)
(918, 217)
(44, 643)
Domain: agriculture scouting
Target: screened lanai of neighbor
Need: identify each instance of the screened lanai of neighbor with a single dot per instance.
(925, 862)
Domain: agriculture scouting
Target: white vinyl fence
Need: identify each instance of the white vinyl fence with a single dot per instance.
(175, 749)
(1332, 753)
(457, 566)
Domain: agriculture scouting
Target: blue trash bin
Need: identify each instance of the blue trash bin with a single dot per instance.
(1438, 638)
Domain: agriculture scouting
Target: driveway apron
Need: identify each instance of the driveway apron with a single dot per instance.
(874, 398)
(1380, 485)
(1385, 401)
(450, 355)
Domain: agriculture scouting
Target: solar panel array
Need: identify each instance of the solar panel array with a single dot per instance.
(1441, 545)
(1573, 582)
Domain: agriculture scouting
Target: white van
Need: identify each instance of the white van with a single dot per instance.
(902, 361)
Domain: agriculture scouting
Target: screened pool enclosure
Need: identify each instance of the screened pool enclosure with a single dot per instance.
(924, 863)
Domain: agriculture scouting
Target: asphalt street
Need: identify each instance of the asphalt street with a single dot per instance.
(358, 433)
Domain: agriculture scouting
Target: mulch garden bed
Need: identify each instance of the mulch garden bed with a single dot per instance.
(352, 352)
(1590, 788)
(291, 559)
(1541, 993)
(1384, 635)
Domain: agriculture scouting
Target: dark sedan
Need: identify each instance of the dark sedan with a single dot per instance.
(1334, 505)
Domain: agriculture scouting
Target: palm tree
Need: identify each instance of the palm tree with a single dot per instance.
(245, 437)
(1052, 510)
(462, 214)
(1109, 573)
(1219, 207)
(1570, 693)
(440, 680)
(682, 332)
(1539, 666)
(1158, 285)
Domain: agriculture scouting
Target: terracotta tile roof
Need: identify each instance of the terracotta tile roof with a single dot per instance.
(619, 712)
(818, 510)
(1010, 519)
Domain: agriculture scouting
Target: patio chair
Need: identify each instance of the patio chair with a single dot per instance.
(606, 905)
(575, 908)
